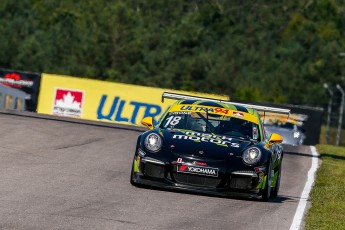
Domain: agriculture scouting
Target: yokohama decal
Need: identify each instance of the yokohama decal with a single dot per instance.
(204, 171)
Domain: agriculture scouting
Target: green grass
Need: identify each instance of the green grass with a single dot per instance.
(328, 194)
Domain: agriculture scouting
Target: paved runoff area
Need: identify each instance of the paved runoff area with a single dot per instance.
(64, 175)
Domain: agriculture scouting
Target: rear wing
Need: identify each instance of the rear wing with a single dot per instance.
(177, 96)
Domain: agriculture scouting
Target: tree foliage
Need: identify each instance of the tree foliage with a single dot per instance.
(278, 51)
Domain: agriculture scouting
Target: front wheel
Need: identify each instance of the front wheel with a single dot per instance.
(266, 192)
(132, 176)
(275, 190)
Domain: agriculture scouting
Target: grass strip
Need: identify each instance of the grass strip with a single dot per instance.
(328, 194)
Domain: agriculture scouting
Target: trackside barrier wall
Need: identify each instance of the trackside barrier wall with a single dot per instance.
(11, 99)
(103, 101)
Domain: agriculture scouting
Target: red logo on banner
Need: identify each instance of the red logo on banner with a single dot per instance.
(13, 76)
(68, 103)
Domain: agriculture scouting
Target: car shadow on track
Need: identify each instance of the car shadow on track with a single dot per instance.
(284, 199)
(279, 199)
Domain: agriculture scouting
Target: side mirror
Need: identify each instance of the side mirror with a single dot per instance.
(148, 122)
(275, 139)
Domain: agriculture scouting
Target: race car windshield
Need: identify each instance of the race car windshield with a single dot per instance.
(211, 123)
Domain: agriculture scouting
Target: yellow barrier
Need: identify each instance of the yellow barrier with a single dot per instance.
(102, 101)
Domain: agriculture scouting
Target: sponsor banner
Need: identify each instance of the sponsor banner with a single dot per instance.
(102, 101)
(24, 81)
(204, 171)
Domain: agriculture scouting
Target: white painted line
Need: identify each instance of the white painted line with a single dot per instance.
(297, 220)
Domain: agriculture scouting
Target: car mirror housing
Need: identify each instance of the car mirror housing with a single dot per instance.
(148, 122)
(275, 139)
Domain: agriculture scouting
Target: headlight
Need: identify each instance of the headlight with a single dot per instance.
(153, 142)
(251, 155)
(296, 135)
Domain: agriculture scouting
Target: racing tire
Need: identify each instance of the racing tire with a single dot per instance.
(275, 190)
(266, 192)
(132, 175)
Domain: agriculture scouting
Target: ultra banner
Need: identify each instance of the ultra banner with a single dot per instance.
(102, 101)
(24, 81)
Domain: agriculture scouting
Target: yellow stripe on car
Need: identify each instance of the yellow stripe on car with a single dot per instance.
(215, 110)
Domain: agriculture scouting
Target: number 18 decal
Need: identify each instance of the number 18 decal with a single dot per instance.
(172, 121)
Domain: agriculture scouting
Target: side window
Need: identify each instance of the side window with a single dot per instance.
(255, 132)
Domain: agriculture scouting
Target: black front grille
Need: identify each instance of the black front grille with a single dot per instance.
(196, 180)
(153, 170)
(241, 182)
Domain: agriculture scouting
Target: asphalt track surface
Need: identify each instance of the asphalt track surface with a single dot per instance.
(64, 175)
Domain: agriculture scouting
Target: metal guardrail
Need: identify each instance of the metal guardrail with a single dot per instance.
(12, 99)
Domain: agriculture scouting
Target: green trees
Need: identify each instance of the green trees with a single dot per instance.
(279, 51)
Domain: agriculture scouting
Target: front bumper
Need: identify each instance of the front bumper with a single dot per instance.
(153, 172)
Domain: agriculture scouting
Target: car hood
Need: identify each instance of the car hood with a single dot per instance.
(211, 146)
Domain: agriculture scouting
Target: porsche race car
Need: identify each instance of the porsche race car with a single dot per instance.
(210, 146)
(290, 129)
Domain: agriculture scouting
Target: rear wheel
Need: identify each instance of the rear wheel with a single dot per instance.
(266, 192)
